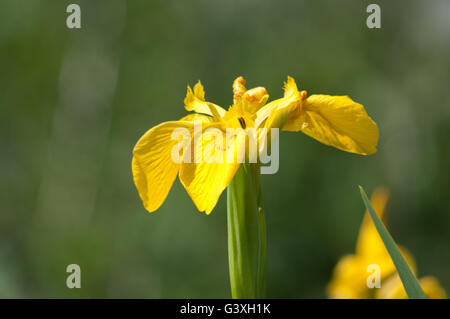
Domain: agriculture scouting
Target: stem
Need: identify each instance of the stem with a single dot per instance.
(246, 234)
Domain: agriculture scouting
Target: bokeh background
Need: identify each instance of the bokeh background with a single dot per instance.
(74, 102)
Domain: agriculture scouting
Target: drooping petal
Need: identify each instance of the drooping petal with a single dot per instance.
(212, 168)
(337, 121)
(153, 167)
(195, 101)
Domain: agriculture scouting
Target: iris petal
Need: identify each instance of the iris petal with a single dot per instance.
(337, 121)
(288, 103)
(206, 179)
(195, 101)
(153, 169)
(369, 242)
(392, 288)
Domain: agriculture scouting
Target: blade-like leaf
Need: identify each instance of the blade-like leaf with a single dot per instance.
(409, 281)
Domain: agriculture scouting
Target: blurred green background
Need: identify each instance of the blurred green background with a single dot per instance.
(73, 102)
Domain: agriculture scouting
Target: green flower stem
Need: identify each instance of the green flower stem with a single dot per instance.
(246, 234)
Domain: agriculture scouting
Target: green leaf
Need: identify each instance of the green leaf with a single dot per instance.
(409, 281)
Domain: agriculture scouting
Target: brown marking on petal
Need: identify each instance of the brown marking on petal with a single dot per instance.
(242, 122)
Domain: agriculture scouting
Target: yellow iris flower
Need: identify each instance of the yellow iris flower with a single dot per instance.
(337, 121)
(349, 280)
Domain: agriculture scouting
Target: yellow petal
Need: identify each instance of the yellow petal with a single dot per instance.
(154, 171)
(255, 97)
(349, 279)
(238, 88)
(276, 120)
(195, 101)
(206, 180)
(338, 121)
(281, 110)
(432, 288)
(370, 245)
(195, 117)
(369, 242)
(350, 274)
(290, 87)
(392, 288)
(280, 115)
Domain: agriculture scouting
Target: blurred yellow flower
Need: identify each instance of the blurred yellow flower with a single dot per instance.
(350, 275)
(337, 121)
